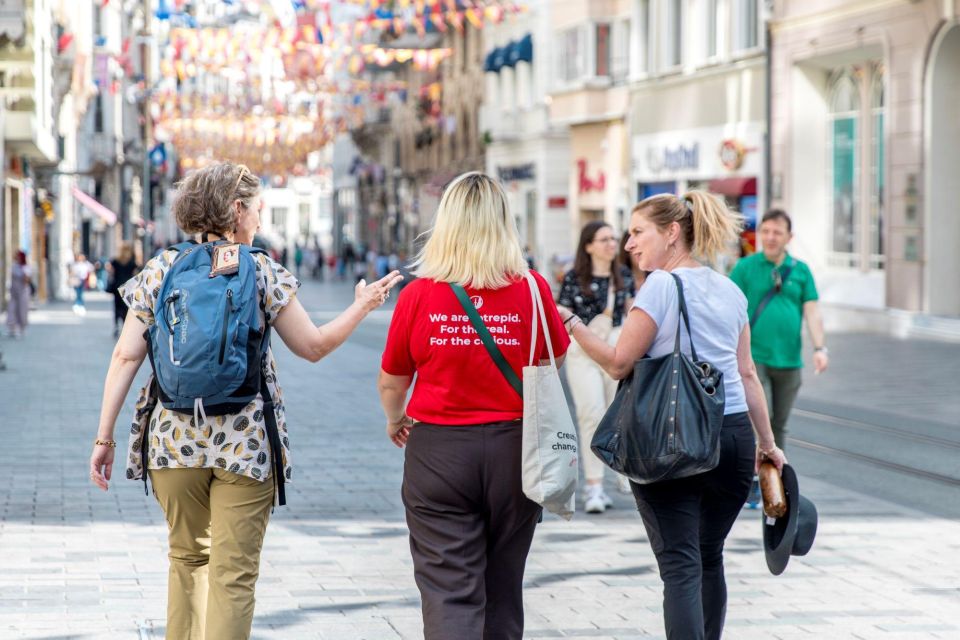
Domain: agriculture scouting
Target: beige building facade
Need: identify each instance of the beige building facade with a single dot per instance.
(589, 96)
(866, 155)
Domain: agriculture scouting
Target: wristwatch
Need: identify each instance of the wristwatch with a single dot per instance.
(822, 350)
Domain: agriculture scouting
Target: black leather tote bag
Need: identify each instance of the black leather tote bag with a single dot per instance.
(664, 423)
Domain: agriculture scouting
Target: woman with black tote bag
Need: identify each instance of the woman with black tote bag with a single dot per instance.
(688, 517)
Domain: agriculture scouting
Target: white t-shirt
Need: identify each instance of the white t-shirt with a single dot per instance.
(718, 312)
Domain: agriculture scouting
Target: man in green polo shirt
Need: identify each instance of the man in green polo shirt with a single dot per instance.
(780, 295)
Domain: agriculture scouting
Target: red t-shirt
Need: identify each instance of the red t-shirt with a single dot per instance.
(457, 380)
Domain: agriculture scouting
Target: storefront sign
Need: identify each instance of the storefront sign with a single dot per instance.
(557, 202)
(519, 172)
(697, 154)
(733, 152)
(585, 182)
(675, 158)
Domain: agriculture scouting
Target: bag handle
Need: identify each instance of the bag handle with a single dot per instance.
(486, 338)
(686, 319)
(537, 300)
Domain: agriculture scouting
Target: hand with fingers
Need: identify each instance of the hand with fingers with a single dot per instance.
(101, 463)
(372, 295)
(399, 430)
(771, 453)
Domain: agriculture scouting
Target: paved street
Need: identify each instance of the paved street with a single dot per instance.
(78, 563)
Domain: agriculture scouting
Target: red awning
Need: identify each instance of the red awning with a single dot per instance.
(90, 203)
(734, 186)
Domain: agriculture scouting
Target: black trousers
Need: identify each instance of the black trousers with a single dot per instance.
(119, 309)
(470, 529)
(687, 521)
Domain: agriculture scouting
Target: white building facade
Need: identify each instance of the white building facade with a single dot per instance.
(864, 154)
(697, 118)
(524, 150)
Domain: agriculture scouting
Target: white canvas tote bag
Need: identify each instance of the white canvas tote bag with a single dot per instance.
(550, 456)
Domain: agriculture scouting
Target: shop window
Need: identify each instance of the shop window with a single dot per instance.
(747, 16)
(620, 51)
(602, 69)
(844, 142)
(877, 173)
(571, 55)
(642, 40)
(673, 34)
(710, 25)
(857, 239)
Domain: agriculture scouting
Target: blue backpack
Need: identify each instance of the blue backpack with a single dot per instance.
(206, 346)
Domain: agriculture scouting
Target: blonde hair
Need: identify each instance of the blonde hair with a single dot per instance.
(125, 252)
(474, 239)
(707, 225)
(204, 200)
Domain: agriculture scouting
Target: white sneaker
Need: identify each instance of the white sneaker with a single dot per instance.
(597, 501)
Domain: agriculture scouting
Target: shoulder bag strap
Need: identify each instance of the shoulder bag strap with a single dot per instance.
(487, 339)
(538, 307)
(685, 317)
(770, 295)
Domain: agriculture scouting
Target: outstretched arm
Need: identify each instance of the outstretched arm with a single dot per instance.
(311, 342)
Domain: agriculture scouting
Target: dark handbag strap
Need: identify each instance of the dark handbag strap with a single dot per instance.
(686, 319)
(487, 339)
(770, 295)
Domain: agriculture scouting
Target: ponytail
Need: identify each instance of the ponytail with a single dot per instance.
(714, 226)
(707, 226)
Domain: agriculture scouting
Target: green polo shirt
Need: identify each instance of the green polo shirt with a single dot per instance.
(776, 336)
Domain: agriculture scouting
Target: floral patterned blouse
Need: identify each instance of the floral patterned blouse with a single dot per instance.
(235, 442)
(588, 307)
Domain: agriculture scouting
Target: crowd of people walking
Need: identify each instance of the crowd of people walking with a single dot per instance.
(216, 448)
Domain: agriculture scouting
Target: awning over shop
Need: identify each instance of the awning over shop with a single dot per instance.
(734, 186)
(489, 62)
(90, 203)
(510, 54)
(523, 50)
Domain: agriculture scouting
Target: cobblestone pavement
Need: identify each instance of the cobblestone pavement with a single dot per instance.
(78, 563)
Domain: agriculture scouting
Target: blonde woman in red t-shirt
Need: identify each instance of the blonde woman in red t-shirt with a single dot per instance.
(470, 523)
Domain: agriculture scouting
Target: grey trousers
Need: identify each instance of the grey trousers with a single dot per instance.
(781, 387)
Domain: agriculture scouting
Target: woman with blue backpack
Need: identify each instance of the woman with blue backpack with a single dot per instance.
(209, 427)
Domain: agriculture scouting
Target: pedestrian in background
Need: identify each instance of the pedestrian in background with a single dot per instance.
(470, 523)
(298, 259)
(321, 261)
(79, 274)
(213, 477)
(121, 269)
(18, 306)
(688, 519)
(596, 290)
(781, 294)
(639, 275)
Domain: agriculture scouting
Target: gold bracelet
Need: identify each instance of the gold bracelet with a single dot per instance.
(108, 443)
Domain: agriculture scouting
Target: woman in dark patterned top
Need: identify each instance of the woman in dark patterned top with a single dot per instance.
(597, 290)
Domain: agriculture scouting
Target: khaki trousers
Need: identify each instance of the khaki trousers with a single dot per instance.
(217, 520)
